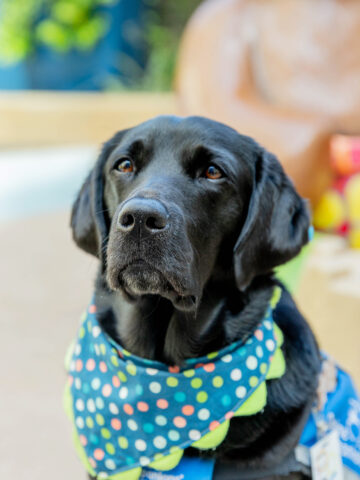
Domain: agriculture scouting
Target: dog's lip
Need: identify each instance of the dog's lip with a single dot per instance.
(186, 300)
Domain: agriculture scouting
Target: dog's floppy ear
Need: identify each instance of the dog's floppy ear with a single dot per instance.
(276, 226)
(89, 221)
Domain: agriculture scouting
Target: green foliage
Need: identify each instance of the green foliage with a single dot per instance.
(164, 25)
(58, 24)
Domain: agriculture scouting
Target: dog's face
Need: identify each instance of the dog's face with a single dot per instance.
(174, 203)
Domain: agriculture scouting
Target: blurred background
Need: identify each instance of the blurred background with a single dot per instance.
(72, 72)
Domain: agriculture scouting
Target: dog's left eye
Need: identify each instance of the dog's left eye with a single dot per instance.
(124, 165)
(213, 173)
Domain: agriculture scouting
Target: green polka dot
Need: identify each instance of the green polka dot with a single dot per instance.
(189, 373)
(212, 355)
(122, 376)
(89, 422)
(172, 381)
(114, 361)
(109, 447)
(82, 332)
(105, 433)
(99, 419)
(201, 397)
(196, 382)
(180, 396)
(102, 348)
(125, 352)
(218, 382)
(131, 369)
(253, 381)
(123, 443)
(89, 327)
(263, 368)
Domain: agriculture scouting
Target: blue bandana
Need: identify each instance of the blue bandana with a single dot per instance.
(129, 412)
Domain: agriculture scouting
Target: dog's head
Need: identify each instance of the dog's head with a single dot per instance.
(176, 202)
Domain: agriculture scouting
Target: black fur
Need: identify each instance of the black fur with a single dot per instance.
(202, 277)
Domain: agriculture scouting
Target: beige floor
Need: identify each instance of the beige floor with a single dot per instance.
(46, 283)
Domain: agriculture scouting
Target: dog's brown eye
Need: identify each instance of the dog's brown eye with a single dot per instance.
(124, 166)
(213, 173)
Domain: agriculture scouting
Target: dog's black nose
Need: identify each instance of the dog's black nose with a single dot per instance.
(143, 214)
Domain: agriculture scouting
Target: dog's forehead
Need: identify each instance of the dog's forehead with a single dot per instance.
(180, 133)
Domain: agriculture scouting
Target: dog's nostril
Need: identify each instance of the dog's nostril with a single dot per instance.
(127, 221)
(155, 223)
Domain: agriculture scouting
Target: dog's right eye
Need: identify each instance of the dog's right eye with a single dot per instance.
(124, 165)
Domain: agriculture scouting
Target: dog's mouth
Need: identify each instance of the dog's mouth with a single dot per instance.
(139, 278)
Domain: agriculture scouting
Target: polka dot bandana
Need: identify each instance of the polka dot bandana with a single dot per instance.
(130, 412)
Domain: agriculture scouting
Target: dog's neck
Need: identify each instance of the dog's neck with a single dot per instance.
(152, 328)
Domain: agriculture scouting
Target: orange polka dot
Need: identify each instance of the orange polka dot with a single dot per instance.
(128, 409)
(92, 462)
(229, 415)
(116, 381)
(70, 380)
(188, 410)
(214, 425)
(115, 423)
(103, 367)
(259, 334)
(162, 403)
(92, 309)
(209, 367)
(90, 364)
(106, 390)
(179, 422)
(83, 440)
(143, 406)
(99, 454)
(78, 365)
(174, 369)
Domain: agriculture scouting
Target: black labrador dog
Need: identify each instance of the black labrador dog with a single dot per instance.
(188, 219)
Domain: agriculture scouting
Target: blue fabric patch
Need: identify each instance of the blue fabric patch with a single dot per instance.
(341, 413)
(188, 469)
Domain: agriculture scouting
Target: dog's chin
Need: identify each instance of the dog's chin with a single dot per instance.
(139, 279)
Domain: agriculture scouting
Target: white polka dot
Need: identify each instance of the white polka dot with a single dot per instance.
(132, 425)
(259, 351)
(155, 387)
(72, 366)
(110, 464)
(91, 405)
(77, 349)
(95, 383)
(160, 442)
(203, 414)
(96, 331)
(123, 392)
(97, 349)
(77, 383)
(152, 371)
(140, 445)
(79, 422)
(160, 420)
(240, 392)
(194, 435)
(113, 408)
(267, 324)
(251, 362)
(99, 403)
(79, 404)
(144, 461)
(227, 358)
(236, 374)
(270, 345)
